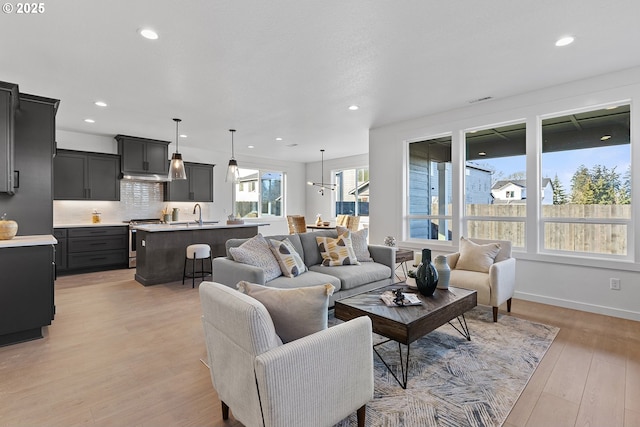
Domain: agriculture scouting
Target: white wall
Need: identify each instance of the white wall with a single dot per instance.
(561, 280)
(221, 206)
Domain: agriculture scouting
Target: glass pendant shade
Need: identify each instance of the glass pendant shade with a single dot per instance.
(232, 169)
(176, 168)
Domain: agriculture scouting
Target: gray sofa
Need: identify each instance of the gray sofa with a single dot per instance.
(347, 279)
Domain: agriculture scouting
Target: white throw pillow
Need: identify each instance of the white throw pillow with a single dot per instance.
(475, 257)
(257, 252)
(359, 242)
(296, 312)
(290, 262)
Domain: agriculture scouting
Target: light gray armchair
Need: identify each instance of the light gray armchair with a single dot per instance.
(316, 380)
(495, 287)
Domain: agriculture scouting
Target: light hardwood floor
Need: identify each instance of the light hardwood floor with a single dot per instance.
(121, 354)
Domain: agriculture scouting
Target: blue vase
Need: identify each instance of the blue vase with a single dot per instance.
(426, 275)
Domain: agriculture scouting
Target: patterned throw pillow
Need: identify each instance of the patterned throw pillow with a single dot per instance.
(336, 252)
(359, 242)
(289, 260)
(296, 312)
(257, 252)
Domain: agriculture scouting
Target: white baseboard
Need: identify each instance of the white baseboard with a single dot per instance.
(590, 308)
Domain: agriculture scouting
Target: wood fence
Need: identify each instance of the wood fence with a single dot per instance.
(575, 237)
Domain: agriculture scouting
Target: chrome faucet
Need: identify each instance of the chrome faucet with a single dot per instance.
(200, 211)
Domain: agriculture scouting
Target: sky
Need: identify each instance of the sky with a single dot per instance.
(565, 163)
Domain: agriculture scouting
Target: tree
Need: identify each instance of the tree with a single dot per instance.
(559, 195)
(581, 187)
(624, 194)
(600, 185)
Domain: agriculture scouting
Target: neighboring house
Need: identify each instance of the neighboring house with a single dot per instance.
(515, 191)
(477, 185)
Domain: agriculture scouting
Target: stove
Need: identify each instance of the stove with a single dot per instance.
(132, 236)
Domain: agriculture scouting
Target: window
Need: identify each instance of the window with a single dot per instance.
(430, 189)
(352, 192)
(259, 194)
(587, 159)
(495, 183)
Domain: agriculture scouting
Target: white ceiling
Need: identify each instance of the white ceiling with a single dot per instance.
(291, 68)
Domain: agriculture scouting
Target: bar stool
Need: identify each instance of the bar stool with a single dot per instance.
(194, 253)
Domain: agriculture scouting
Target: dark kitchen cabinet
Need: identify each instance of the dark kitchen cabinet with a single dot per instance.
(142, 155)
(197, 187)
(27, 272)
(94, 248)
(79, 175)
(9, 99)
(61, 249)
(26, 292)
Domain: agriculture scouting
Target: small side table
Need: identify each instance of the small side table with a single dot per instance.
(402, 257)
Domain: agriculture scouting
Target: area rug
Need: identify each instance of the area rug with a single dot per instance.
(455, 382)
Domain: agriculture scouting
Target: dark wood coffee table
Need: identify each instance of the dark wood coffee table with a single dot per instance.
(407, 324)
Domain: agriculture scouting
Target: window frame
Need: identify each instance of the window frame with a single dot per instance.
(440, 218)
(533, 222)
(628, 222)
(258, 189)
(465, 219)
(339, 182)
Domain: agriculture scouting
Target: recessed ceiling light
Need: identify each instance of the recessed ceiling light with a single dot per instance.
(482, 153)
(278, 139)
(89, 120)
(183, 135)
(564, 41)
(148, 33)
(251, 146)
(100, 103)
(605, 137)
(353, 107)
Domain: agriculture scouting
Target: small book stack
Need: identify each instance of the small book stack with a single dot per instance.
(390, 299)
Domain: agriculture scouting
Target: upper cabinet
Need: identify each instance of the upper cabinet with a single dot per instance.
(142, 155)
(197, 187)
(9, 99)
(79, 175)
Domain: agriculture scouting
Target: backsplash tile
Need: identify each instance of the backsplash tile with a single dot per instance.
(138, 199)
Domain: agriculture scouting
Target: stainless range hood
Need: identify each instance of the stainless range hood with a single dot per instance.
(148, 177)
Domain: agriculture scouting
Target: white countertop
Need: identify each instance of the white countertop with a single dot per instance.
(35, 240)
(181, 226)
(89, 224)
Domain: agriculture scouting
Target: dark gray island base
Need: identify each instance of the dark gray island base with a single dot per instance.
(161, 248)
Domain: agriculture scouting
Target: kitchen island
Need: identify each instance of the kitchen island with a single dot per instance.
(161, 248)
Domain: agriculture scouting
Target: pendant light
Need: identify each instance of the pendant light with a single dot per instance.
(323, 185)
(176, 168)
(232, 170)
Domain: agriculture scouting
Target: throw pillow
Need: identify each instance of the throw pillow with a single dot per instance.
(475, 257)
(257, 252)
(295, 312)
(290, 262)
(359, 242)
(337, 251)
